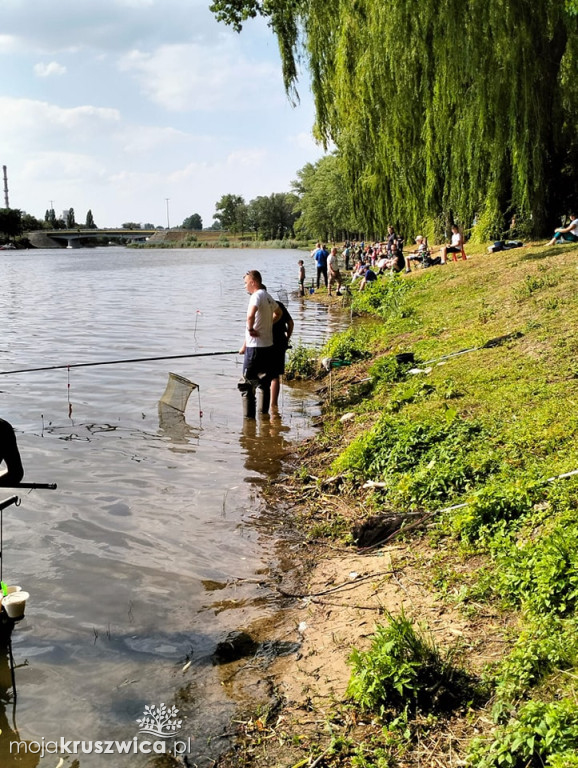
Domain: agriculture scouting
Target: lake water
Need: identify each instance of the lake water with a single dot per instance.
(127, 560)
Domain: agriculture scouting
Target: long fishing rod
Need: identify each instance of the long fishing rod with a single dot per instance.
(117, 362)
(33, 486)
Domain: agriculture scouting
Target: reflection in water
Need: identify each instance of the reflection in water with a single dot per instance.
(8, 730)
(263, 441)
(173, 424)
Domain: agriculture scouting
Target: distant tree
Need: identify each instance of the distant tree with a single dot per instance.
(272, 217)
(216, 226)
(131, 225)
(31, 223)
(325, 202)
(10, 222)
(193, 222)
(50, 218)
(231, 213)
(148, 225)
(90, 220)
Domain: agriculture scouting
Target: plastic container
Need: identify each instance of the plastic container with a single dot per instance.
(10, 591)
(15, 603)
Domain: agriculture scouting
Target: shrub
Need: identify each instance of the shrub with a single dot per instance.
(489, 507)
(403, 668)
(542, 734)
(384, 298)
(351, 345)
(301, 362)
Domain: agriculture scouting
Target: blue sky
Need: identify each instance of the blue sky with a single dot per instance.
(116, 105)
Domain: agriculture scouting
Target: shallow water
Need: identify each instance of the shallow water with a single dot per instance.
(131, 560)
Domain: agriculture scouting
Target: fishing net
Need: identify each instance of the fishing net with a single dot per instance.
(177, 392)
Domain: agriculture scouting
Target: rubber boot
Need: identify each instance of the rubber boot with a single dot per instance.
(247, 391)
(264, 395)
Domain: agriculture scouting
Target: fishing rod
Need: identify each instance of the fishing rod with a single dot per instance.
(117, 362)
(34, 486)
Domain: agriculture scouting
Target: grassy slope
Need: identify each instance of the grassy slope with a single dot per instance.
(487, 427)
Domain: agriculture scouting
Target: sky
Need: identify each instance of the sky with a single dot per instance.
(118, 105)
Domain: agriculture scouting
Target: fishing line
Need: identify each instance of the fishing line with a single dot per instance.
(118, 362)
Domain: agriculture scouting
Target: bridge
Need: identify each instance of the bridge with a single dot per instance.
(72, 238)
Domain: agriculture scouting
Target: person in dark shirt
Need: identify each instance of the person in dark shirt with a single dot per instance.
(282, 330)
(10, 455)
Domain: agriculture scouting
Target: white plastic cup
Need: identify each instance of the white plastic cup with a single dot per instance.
(15, 603)
(9, 591)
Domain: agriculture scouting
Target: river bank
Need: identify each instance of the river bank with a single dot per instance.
(488, 581)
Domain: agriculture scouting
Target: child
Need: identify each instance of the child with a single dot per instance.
(301, 277)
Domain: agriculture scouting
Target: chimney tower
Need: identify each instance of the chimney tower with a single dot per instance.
(6, 203)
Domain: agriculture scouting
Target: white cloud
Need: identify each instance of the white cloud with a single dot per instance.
(194, 78)
(28, 124)
(48, 70)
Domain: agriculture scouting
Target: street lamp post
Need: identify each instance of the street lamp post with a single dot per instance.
(167, 202)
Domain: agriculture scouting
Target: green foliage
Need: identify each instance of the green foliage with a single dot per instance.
(541, 734)
(301, 362)
(420, 463)
(541, 574)
(10, 222)
(404, 669)
(387, 370)
(273, 217)
(384, 298)
(193, 222)
(543, 646)
(231, 213)
(324, 201)
(491, 506)
(89, 223)
(351, 345)
(429, 132)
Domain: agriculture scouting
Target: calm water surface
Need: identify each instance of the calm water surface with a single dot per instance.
(151, 514)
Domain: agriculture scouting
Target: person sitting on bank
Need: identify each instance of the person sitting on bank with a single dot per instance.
(10, 455)
(368, 276)
(568, 234)
(419, 254)
(457, 244)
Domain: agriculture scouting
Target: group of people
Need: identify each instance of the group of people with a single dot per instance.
(267, 335)
(372, 260)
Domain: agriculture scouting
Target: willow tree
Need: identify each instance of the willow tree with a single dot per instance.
(453, 110)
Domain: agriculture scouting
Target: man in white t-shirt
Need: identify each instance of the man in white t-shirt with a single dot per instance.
(569, 233)
(257, 349)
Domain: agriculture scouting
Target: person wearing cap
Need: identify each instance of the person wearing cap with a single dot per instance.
(10, 455)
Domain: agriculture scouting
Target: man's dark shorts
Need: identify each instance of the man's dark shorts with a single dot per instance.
(257, 363)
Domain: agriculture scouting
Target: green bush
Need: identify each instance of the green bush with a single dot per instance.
(542, 734)
(541, 574)
(351, 345)
(404, 669)
(491, 506)
(301, 362)
(420, 462)
(384, 298)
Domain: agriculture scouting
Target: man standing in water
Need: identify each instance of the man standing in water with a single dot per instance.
(10, 455)
(262, 312)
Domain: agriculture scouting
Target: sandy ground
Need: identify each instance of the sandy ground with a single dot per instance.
(334, 600)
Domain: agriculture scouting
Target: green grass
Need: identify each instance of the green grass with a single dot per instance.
(488, 429)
